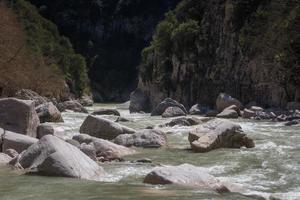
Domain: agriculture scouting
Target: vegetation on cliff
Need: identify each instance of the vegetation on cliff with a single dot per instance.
(250, 49)
(35, 56)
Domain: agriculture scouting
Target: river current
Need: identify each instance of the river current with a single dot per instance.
(271, 168)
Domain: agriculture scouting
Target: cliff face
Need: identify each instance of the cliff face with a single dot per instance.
(249, 49)
(110, 34)
(34, 56)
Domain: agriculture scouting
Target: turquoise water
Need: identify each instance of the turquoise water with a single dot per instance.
(271, 168)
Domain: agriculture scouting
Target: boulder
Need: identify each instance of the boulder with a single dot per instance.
(248, 114)
(106, 111)
(18, 116)
(218, 134)
(103, 128)
(16, 141)
(185, 175)
(168, 102)
(183, 121)
(147, 138)
(225, 100)
(44, 129)
(173, 112)
(86, 101)
(256, 109)
(199, 110)
(48, 112)
(139, 101)
(11, 152)
(228, 114)
(89, 150)
(4, 159)
(104, 148)
(292, 123)
(71, 105)
(26, 94)
(52, 156)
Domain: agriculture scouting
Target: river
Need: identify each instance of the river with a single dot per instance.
(271, 168)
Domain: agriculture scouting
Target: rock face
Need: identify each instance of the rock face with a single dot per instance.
(168, 102)
(103, 128)
(218, 134)
(26, 94)
(185, 175)
(106, 111)
(173, 112)
(16, 141)
(71, 105)
(139, 102)
(52, 156)
(148, 138)
(104, 148)
(18, 116)
(222, 55)
(48, 112)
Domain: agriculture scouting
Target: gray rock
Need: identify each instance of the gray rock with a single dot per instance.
(11, 152)
(44, 129)
(292, 123)
(18, 116)
(139, 102)
(71, 105)
(225, 100)
(256, 109)
(52, 156)
(199, 110)
(106, 111)
(185, 175)
(103, 128)
(26, 94)
(248, 114)
(122, 119)
(4, 159)
(183, 121)
(168, 102)
(147, 138)
(86, 101)
(16, 141)
(173, 112)
(228, 114)
(104, 148)
(218, 134)
(89, 150)
(48, 112)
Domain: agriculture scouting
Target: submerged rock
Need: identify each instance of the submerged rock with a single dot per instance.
(106, 111)
(104, 148)
(71, 105)
(225, 100)
(48, 112)
(103, 128)
(168, 102)
(52, 156)
(218, 134)
(18, 116)
(16, 141)
(148, 138)
(185, 175)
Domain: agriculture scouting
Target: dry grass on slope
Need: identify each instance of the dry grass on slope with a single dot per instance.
(19, 67)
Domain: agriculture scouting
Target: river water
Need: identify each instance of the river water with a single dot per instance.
(271, 168)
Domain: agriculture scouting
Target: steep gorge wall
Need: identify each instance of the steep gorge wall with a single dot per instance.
(249, 49)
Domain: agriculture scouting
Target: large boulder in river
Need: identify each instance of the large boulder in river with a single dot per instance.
(71, 105)
(139, 101)
(104, 148)
(106, 111)
(26, 94)
(18, 116)
(103, 128)
(148, 138)
(168, 102)
(218, 134)
(228, 114)
(185, 175)
(86, 101)
(48, 112)
(173, 112)
(44, 129)
(225, 100)
(184, 121)
(16, 141)
(52, 156)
